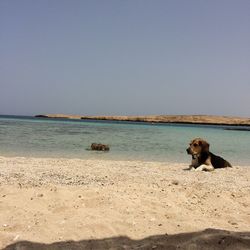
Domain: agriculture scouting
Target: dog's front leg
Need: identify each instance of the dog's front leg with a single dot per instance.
(191, 167)
(204, 167)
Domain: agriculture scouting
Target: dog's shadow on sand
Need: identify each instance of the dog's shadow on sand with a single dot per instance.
(208, 239)
(186, 169)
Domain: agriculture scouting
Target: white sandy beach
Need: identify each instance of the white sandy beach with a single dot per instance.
(56, 200)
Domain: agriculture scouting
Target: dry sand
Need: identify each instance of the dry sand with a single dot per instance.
(92, 204)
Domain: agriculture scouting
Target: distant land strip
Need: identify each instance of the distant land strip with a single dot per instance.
(182, 119)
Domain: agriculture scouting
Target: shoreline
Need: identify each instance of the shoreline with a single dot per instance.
(96, 159)
(51, 200)
(161, 119)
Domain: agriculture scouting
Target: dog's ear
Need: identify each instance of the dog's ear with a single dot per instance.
(205, 146)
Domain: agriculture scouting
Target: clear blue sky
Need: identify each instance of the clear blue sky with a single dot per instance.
(125, 57)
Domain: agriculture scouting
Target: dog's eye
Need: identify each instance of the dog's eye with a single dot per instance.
(195, 144)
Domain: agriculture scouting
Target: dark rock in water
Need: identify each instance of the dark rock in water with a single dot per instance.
(238, 129)
(41, 116)
(99, 147)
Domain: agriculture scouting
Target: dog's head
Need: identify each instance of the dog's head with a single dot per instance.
(197, 146)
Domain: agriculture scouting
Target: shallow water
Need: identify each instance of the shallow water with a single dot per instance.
(37, 137)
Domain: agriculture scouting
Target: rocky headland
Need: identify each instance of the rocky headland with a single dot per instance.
(182, 119)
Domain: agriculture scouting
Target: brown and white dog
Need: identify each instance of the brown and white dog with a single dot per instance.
(202, 159)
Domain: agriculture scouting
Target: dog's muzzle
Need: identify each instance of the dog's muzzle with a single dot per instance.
(188, 151)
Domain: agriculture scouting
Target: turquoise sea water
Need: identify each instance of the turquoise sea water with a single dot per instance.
(37, 137)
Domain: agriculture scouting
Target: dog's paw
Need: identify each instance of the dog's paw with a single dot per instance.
(200, 168)
(191, 168)
(203, 167)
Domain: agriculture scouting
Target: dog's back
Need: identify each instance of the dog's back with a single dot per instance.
(218, 162)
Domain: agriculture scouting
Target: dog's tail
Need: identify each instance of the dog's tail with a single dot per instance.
(228, 165)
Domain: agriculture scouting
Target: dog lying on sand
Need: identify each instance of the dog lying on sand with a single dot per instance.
(202, 159)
